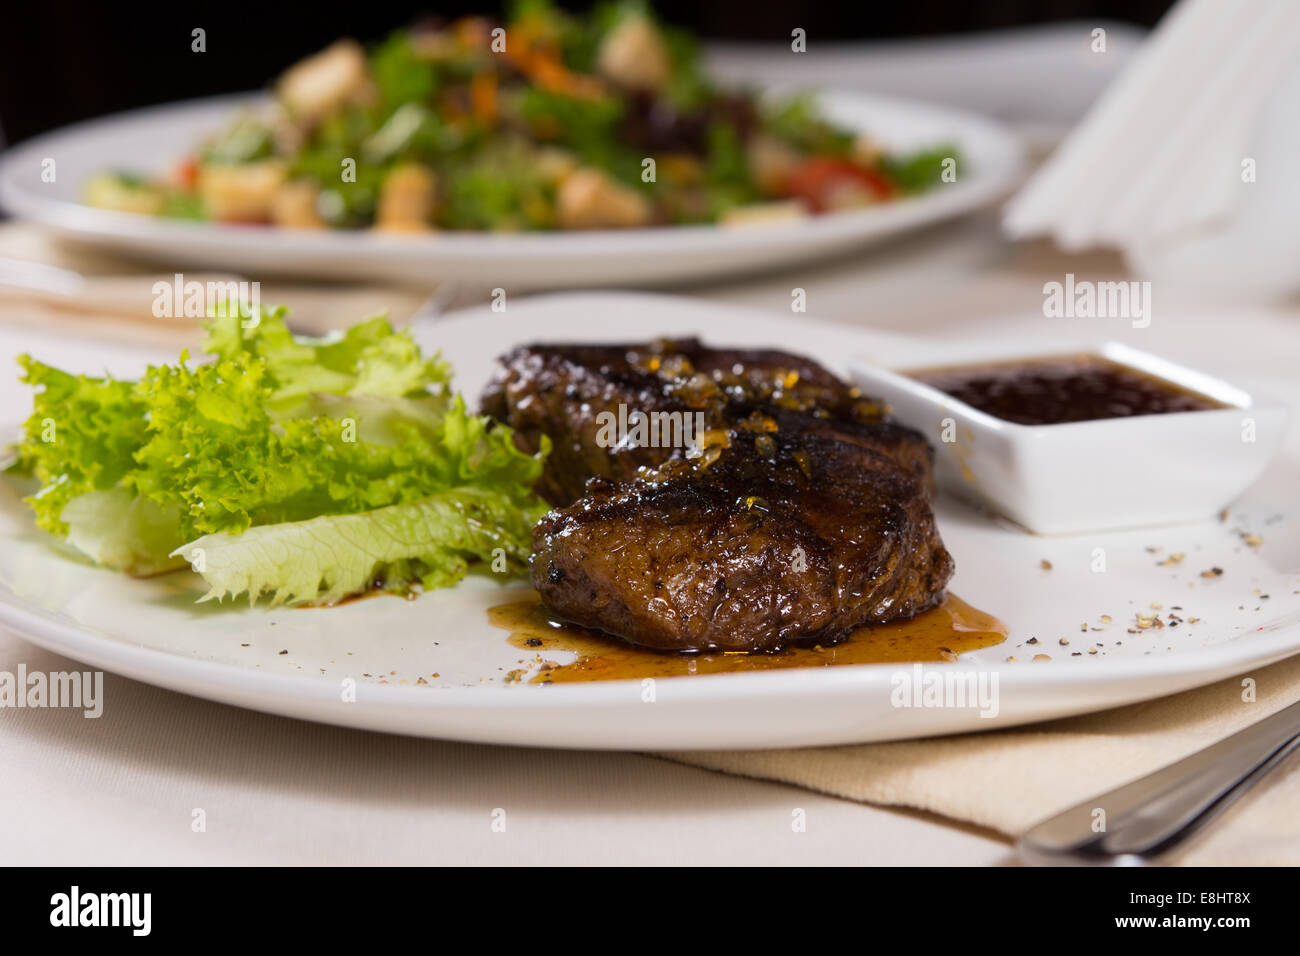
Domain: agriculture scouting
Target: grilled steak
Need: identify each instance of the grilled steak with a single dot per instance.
(561, 391)
(799, 515)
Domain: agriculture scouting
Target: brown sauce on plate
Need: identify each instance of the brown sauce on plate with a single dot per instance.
(936, 635)
(1055, 391)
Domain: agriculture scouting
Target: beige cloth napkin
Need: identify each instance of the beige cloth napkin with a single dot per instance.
(117, 297)
(1008, 780)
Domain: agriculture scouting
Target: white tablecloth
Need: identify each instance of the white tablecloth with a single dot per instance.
(124, 788)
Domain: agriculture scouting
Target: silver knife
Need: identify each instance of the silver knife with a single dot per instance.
(1145, 820)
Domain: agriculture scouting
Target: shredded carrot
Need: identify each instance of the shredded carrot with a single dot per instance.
(483, 97)
(539, 60)
(555, 77)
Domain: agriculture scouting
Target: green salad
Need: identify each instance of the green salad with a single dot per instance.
(303, 470)
(542, 121)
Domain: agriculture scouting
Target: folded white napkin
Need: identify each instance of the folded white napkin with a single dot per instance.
(1185, 162)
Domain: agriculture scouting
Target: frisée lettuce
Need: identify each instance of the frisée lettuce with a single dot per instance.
(304, 470)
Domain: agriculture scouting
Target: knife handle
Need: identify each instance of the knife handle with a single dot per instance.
(1142, 821)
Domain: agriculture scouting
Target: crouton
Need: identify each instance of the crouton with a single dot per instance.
(322, 83)
(589, 199)
(407, 198)
(240, 193)
(294, 205)
(763, 213)
(771, 163)
(633, 55)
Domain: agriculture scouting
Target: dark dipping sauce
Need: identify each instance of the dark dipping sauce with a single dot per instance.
(1056, 391)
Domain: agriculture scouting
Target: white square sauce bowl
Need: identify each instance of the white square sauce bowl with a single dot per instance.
(1102, 474)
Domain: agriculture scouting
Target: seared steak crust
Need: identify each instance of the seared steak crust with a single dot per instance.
(560, 390)
(805, 515)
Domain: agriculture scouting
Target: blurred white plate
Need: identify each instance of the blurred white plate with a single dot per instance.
(151, 140)
(293, 662)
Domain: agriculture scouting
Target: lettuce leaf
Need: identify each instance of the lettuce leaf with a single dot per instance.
(322, 560)
(370, 358)
(216, 453)
(81, 436)
(123, 531)
(273, 435)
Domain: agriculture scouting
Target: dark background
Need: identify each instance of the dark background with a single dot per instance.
(67, 60)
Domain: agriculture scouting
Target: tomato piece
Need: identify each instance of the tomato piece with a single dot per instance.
(817, 181)
(187, 173)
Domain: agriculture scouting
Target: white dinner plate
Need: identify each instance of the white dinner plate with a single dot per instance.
(152, 140)
(295, 661)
